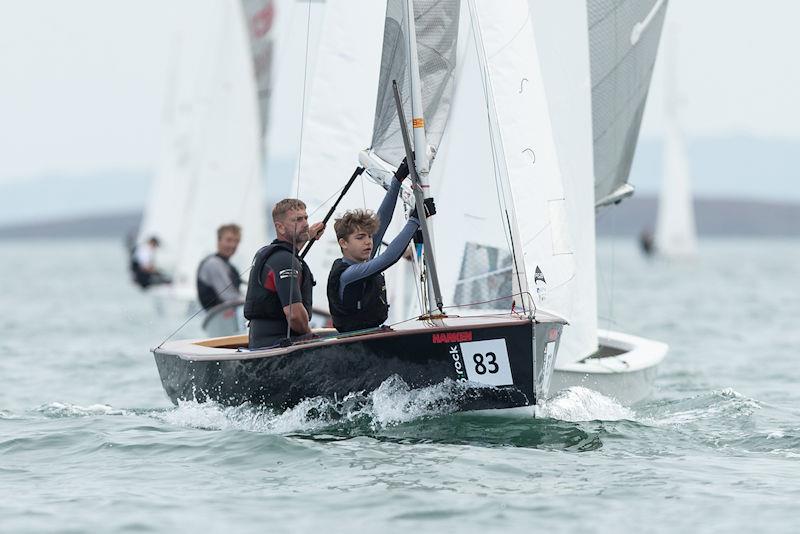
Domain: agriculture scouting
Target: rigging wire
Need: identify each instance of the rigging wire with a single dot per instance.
(299, 167)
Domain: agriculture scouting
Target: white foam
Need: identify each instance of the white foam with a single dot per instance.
(581, 404)
(393, 402)
(59, 409)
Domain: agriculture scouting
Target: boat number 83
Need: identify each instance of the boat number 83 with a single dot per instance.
(485, 363)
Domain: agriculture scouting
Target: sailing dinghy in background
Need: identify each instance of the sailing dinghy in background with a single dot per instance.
(676, 234)
(597, 82)
(211, 166)
(453, 76)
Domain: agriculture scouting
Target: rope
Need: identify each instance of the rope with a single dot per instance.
(195, 314)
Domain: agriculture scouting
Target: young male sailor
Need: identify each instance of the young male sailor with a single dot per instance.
(280, 287)
(217, 280)
(356, 287)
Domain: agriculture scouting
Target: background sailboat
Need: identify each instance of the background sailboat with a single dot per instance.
(210, 169)
(597, 59)
(675, 235)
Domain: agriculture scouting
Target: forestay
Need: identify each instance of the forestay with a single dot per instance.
(623, 41)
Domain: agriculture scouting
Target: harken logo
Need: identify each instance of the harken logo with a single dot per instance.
(452, 337)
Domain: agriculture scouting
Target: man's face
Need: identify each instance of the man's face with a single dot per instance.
(227, 243)
(357, 246)
(294, 227)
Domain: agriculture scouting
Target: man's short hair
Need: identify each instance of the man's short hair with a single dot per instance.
(286, 205)
(355, 220)
(235, 229)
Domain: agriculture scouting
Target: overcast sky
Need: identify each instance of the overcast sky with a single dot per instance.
(83, 81)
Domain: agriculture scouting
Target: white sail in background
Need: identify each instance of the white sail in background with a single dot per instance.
(260, 19)
(297, 30)
(675, 227)
(211, 170)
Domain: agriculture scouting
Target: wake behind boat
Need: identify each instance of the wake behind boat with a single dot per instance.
(505, 362)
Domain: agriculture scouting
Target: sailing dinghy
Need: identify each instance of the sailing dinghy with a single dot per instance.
(597, 58)
(210, 168)
(455, 72)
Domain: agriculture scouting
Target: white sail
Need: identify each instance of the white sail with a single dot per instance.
(338, 123)
(562, 39)
(675, 228)
(213, 176)
(298, 27)
(525, 153)
(623, 42)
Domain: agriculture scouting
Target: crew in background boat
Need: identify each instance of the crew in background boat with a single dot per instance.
(356, 287)
(217, 280)
(143, 264)
(279, 290)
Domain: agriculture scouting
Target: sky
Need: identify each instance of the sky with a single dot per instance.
(84, 81)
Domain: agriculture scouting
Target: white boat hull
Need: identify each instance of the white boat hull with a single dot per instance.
(627, 374)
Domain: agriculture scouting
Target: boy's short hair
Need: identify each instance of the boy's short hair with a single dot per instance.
(234, 229)
(354, 220)
(284, 206)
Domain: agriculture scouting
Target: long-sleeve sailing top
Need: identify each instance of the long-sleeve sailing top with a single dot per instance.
(394, 251)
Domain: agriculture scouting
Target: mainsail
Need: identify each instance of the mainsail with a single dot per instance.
(436, 23)
(623, 41)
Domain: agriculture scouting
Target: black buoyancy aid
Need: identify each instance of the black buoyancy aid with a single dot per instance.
(207, 294)
(370, 308)
(259, 302)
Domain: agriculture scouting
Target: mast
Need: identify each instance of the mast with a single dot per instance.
(421, 159)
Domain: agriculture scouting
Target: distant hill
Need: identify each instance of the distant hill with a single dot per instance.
(50, 197)
(117, 226)
(715, 217)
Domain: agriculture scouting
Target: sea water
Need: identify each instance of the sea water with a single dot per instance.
(90, 443)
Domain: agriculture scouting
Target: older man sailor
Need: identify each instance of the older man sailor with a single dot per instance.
(279, 290)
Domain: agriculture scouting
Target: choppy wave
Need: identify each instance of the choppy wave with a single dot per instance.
(59, 409)
(581, 404)
(722, 404)
(392, 403)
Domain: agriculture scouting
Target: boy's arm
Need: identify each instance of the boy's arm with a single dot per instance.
(389, 257)
(385, 213)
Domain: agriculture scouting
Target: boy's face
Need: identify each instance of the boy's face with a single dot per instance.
(357, 246)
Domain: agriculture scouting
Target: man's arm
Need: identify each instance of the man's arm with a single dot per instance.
(389, 257)
(297, 317)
